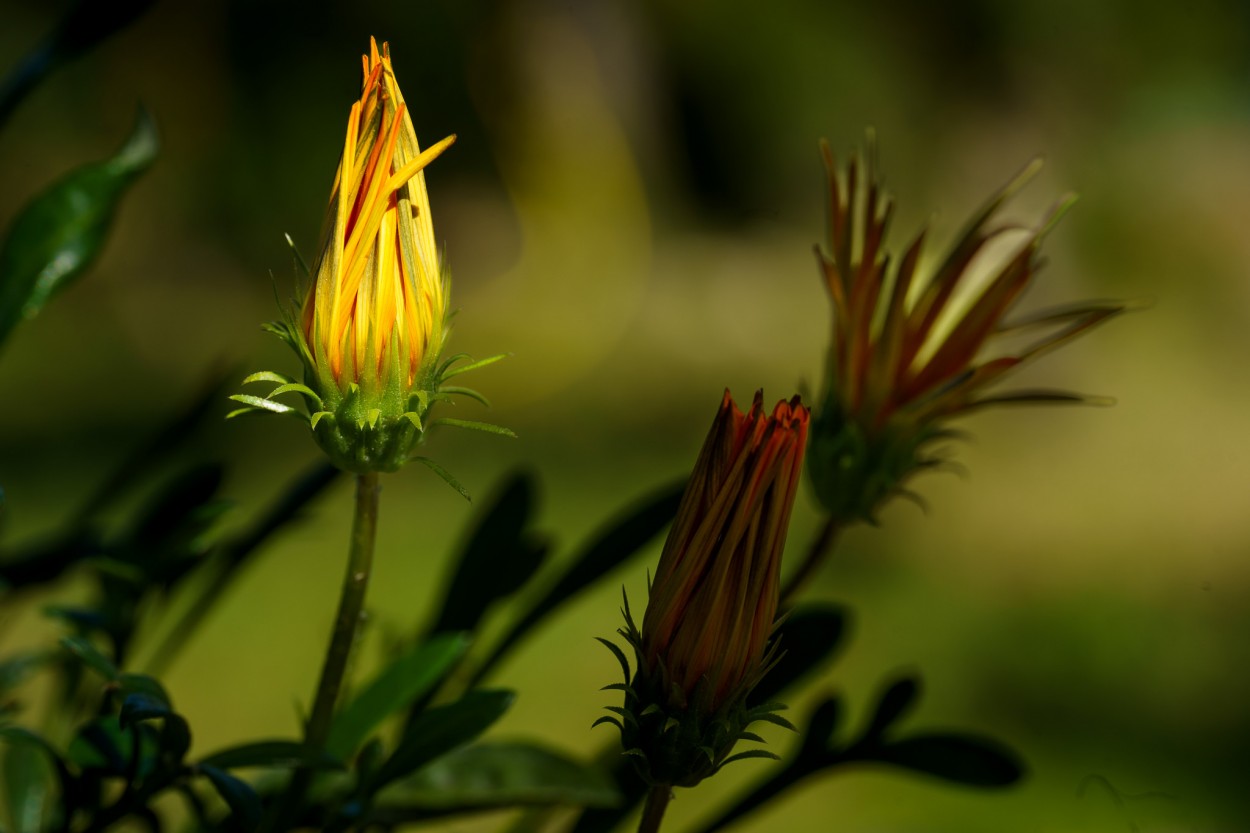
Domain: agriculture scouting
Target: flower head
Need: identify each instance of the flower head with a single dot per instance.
(903, 358)
(374, 314)
(704, 642)
(371, 328)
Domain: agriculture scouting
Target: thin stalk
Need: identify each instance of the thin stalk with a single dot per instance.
(820, 548)
(653, 811)
(346, 623)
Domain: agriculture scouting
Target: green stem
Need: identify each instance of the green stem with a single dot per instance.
(653, 811)
(346, 622)
(821, 546)
(351, 610)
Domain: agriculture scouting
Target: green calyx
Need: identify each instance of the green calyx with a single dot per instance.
(373, 425)
(854, 473)
(678, 739)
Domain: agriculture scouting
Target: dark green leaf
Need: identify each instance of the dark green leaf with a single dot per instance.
(15, 670)
(145, 685)
(619, 539)
(504, 775)
(172, 515)
(632, 790)
(965, 759)
(27, 785)
(239, 551)
(437, 731)
(897, 699)
(269, 753)
(809, 636)
(496, 561)
(175, 735)
(402, 682)
(138, 707)
(84, 621)
(87, 23)
(240, 797)
(172, 435)
(818, 733)
(90, 656)
(101, 744)
(56, 236)
(28, 761)
(48, 559)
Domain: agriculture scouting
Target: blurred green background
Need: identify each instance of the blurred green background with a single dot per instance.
(630, 210)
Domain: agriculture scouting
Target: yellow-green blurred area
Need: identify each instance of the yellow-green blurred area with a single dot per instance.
(630, 209)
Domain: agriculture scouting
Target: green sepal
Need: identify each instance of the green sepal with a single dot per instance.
(474, 425)
(619, 654)
(447, 371)
(296, 387)
(607, 718)
(268, 376)
(262, 404)
(445, 475)
(750, 753)
(469, 392)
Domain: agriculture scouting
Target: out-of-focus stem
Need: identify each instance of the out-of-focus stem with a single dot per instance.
(820, 548)
(653, 811)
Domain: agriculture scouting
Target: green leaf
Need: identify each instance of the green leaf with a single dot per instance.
(503, 775)
(238, 795)
(175, 736)
(147, 686)
(28, 760)
(437, 731)
(85, 26)
(57, 235)
(618, 540)
(283, 754)
(964, 759)
(13, 671)
(808, 637)
(396, 686)
(27, 785)
(498, 558)
(87, 653)
(897, 700)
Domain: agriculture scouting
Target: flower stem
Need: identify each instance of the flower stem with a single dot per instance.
(351, 610)
(346, 623)
(821, 546)
(653, 811)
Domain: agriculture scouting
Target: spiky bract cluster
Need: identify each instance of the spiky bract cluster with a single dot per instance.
(904, 358)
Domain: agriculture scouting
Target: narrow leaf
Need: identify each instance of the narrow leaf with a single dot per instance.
(90, 656)
(437, 731)
(269, 753)
(504, 775)
(894, 703)
(238, 795)
(965, 759)
(398, 685)
(498, 558)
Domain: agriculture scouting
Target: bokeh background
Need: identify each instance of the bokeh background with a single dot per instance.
(630, 209)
